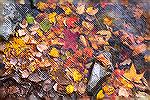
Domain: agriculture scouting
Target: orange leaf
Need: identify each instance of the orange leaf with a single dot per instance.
(102, 59)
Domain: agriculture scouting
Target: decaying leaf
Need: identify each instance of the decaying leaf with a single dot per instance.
(123, 92)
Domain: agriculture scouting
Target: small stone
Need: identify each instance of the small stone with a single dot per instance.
(13, 89)
(98, 72)
(47, 85)
(24, 24)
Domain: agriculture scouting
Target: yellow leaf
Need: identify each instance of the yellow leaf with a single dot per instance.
(77, 76)
(108, 89)
(54, 52)
(107, 21)
(91, 11)
(52, 16)
(100, 95)
(32, 66)
(40, 33)
(126, 83)
(132, 75)
(41, 5)
(69, 89)
(68, 11)
(104, 33)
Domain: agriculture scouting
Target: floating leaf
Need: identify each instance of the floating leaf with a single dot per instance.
(87, 25)
(139, 49)
(102, 59)
(104, 33)
(67, 10)
(83, 40)
(70, 21)
(42, 47)
(41, 5)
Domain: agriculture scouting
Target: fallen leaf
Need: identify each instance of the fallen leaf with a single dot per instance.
(123, 92)
(70, 40)
(70, 21)
(83, 40)
(102, 59)
(67, 10)
(42, 47)
(41, 5)
(54, 52)
(108, 21)
(139, 49)
(52, 16)
(104, 33)
(87, 25)
(108, 89)
(100, 95)
(91, 10)
(77, 76)
(132, 75)
(69, 89)
(80, 8)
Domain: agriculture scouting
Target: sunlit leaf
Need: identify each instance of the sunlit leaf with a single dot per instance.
(132, 75)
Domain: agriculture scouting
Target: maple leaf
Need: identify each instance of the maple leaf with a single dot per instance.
(70, 40)
(132, 75)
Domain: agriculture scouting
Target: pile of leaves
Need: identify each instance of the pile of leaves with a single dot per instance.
(55, 52)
